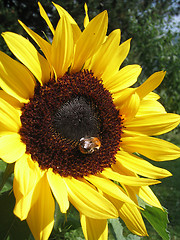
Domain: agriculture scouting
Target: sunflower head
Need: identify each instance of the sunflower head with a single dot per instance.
(76, 128)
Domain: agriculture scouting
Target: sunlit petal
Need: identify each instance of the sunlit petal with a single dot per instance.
(88, 201)
(109, 188)
(150, 84)
(131, 216)
(59, 190)
(86, 19)
(23, 186)
(117, 60)
(41, 215)
(127, 180)
(62, 47)
(141, 167)
(148, 107)
(11, 100)
(75, 28)
(148, 196)
(129, 107)
(46, 49)
(15, 79)
(28, 55)
(9, 116)
(153, 148)
(94, 229)
(104, 57)
(46, 18)
(90, 40)
(155, 124)
(124, 78)
(11, 147)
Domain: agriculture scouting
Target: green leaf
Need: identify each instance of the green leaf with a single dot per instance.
(73, 217)
(133, 237)
(70, 220)
(66, 225)
(117, 229)
(11, 227)
(8, 171)
(158, 219)
(59, 218)
(76, 234)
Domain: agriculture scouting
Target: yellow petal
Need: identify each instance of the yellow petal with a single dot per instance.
(121, 53)
(41, 215)
(131, 194)
(156, 124)
(132, 217)
(28, 55)
(9, 117)
(94, 229)
(121, 97)
(15, 79)
(63, 13)
(151, 96)
(153, 148)
(88, 201)
(117, 167)
(129, 107)
(130, 214)
(126, 77)
(127, 133)
(11, 100)
(140, 166)
(149, 107)
(109, 188)
(148, 196)
(105, 55)
(133, 220)
(150, 84)
(59, 190)
(25, 180)
(127, 102)
(90, 40)
(11, 147)
(46, 18)
(62, 47)
(86, 19)
(46, 49)
(23, 203)
(127, 180)
(25, 173)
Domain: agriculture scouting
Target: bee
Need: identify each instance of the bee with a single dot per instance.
(88, 145)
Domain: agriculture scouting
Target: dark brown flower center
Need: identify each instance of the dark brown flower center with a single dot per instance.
(76, 119)
(68, 118)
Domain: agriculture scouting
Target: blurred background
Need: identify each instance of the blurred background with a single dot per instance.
(154, 28)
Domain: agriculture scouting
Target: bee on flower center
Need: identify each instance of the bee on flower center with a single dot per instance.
(88, 145)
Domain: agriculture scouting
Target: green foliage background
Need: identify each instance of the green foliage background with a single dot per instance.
(155, 46)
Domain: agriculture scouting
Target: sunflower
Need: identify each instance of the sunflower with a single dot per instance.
(76, 130)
